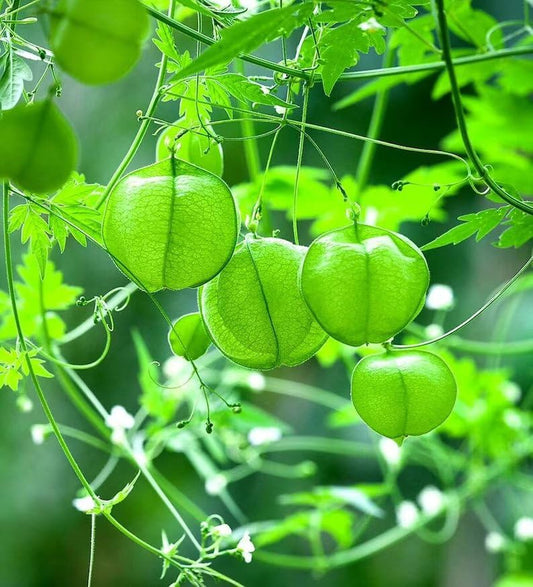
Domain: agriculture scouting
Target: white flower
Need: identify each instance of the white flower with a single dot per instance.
(391, 452)
(39, 433)
(24, 404)
(280, 109)
(259, 435)
(494, 542)
(440, 297)
(371, 25)
(431, 500)
(84, 504)
(407, 514)
(512, 419)
(512, 391)
(256, 381)
(523, 529)
(119, 418)
(222, 530)
(434, 330)
(246, 547)
(214, 485)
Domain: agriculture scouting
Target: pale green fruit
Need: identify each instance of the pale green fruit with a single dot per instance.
(38, 148)
(171, 225)
(98, 41)
(253, 309)
(188, 337)
(364, 284)
(196, 149)
(403, 393)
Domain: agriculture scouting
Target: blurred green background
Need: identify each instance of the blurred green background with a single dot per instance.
(44, 541)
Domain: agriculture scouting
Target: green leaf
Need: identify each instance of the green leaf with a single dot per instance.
(339, 49)
(248, 35)
(246, 90)
(480, 224)
(518, 231)
(334, 496)
(14, 367)
(471, 25)
(16, 72)
(28, 217)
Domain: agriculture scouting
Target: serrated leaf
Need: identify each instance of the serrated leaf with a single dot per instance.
(480, 224)
(518, 231)
(339, 49)
(16, 72)
(245, 90)
(248, 35)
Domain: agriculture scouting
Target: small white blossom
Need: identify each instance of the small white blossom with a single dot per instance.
(258, 436)
(523, 529)
(494, 542)
(280, 109)
(371, 25)
(83, 504)
(24, 404)
(431, 500)
(512, 419)
(246, 547)
(222, 530)
(512, 391)
(256, 381)
(434, 330)
(214, 485)
(39, 433)
(440, 297)
(119, 418)
(391, 452)
(407, 514)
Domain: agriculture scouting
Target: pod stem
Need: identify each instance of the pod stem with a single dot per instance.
(491, 300)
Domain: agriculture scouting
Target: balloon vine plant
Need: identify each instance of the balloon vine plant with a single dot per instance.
(264, 301)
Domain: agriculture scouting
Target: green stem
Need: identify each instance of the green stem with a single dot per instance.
(301, 143)
(116, 301)
(23, 346)
(251, 149)
(91, 550)
(491, 300)
(460, 116)
(139, 459)
(272, 66)
(470, 489)
(319, 444)
(374, 129)
(517, 347)
(143, 128)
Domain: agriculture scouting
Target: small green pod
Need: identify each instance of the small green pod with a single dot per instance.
(188, 337)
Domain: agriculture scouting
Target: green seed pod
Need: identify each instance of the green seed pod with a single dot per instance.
(171, 225)
(191, 147)
(98, 41)
(403, 393)
(38, 148)
(188, 337)
(253, 309)
(364, 284)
